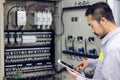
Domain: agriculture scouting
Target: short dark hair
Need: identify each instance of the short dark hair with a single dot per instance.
(100, 9)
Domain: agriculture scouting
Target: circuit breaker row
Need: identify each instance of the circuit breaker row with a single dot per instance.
(28, 38)
(28, 61)
(29, 55)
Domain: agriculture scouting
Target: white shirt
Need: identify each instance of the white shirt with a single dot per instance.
(109, 67)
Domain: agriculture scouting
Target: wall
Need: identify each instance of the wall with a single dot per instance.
(115, 6)
(1, 41)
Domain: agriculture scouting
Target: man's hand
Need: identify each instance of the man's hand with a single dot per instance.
(82, 64)
(73, 73)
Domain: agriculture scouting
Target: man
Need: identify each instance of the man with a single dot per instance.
(100, 18)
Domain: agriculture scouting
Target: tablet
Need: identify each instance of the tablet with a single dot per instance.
(64, 64)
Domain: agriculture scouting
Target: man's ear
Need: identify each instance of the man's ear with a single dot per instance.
(103, 21)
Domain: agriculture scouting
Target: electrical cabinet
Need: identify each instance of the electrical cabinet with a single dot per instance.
(28, 49)
(29, 59)
(36, 33)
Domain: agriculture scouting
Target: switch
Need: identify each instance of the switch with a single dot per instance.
(81, 50)
(72, 19)
(21, 18)
(92, 51)
(70, 49)
(91, 39)
(76, 19)
(79, 38)
(70, 37)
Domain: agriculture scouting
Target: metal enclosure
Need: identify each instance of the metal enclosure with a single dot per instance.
(27, 50)
(69, 18)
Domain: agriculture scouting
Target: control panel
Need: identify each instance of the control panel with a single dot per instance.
(29, 54)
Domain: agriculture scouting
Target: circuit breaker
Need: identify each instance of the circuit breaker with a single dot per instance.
(29, 60)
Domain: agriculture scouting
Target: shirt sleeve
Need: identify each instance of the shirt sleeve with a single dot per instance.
(111, 66)
(92, 62)
(110, 69)
(83, 78)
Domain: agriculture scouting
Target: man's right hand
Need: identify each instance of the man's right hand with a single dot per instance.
(82, 64)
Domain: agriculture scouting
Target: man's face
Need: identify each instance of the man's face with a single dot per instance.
(97, 28)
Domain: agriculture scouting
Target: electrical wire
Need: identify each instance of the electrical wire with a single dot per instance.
(20, 28)
(8, 15)
(37, 6)
(73, 45)
(85, 46)
(65, 43)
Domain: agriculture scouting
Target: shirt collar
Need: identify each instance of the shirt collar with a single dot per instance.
(109, 35)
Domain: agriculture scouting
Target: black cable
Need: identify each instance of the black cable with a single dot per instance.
(8, 16)
(65, 43)
(85, 46)
(61, 70)
(73, 45)
(20, 28)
